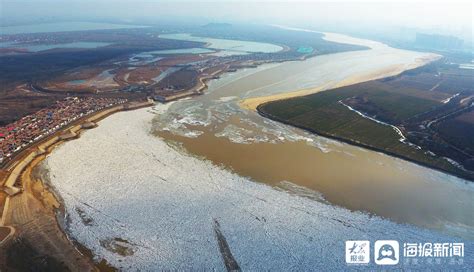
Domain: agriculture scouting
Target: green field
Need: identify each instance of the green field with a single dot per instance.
(323, 114)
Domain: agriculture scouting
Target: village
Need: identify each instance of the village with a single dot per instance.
(31, 128)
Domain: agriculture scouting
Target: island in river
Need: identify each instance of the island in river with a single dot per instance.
(424, 115)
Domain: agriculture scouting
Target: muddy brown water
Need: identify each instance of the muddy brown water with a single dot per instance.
(214, 127)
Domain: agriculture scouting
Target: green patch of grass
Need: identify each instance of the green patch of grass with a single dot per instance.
(323, 114)
(459, 131)
(401, 106)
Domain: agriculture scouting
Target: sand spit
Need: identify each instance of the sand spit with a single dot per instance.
(146, 198)
(393, 69)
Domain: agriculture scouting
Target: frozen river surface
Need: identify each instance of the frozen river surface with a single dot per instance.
(216, 127)
(144, 205)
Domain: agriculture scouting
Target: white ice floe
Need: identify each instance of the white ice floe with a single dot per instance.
(241, 135)
(227, 98)
(193, 133)
(190, 120)
(301, 191)
(151, 207)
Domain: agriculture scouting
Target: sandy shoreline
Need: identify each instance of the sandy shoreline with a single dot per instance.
(393, 70)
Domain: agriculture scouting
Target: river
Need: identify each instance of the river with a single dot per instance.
(145, 205)
(215, 127)
(277, 197)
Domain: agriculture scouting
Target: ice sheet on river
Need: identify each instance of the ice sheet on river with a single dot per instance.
(187, 117)
(143, 205)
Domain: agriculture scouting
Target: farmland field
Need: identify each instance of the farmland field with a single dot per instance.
(435, 123)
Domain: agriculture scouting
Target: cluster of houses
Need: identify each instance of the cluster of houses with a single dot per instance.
(16, 136)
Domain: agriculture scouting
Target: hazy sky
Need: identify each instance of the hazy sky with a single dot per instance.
(446, 16)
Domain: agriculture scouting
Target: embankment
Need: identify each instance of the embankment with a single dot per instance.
(30, 208)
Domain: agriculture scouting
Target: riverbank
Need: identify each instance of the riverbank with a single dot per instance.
(218, 70)
(198, 89)
(176, 203)
(405, 110)
(31, 208)
(253, 102)
(270, 116)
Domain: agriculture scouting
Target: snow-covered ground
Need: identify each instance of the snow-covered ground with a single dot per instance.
(145, 205)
